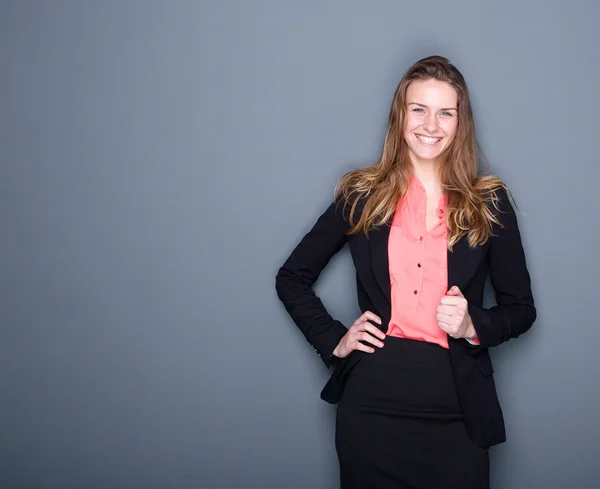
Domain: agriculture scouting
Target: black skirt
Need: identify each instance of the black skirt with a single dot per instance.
(399, 423)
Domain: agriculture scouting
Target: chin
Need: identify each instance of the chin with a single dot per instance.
(426, 156)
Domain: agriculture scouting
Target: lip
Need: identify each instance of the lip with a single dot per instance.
(424, 135)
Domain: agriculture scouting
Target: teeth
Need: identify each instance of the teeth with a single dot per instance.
(428, 140)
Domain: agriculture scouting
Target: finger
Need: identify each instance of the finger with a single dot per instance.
(375, 331)
(455, 291)
(447, 328)
(365, 336)
(444, 318)
(456, 310)
(370, 315)
(451, 300)
(359, 346)
(449, 310)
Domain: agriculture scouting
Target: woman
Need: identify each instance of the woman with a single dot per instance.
(413, 379)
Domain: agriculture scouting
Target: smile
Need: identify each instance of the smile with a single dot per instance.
(428, 140)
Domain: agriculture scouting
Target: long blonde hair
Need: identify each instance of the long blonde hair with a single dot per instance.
(469, 191)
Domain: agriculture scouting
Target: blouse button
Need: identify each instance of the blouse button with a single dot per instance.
(419, 265)
(421, 238)
(415, 291)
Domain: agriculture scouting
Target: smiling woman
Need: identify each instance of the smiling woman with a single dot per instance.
(431, 118)
(417, 403)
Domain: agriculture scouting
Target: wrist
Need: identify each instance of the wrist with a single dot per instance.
(470, 333)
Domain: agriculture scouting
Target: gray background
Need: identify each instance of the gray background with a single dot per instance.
(159, 161)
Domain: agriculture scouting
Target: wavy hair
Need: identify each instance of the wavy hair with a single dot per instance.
(469, 190)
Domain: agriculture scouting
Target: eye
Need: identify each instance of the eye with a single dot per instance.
(447, 114)
(417, 109)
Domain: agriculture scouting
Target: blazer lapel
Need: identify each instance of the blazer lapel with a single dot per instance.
(380, 263)
(379, 257)
(456, 263)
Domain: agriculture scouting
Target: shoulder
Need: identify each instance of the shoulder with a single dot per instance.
(351, 206)
(499, 210)
(495, 193)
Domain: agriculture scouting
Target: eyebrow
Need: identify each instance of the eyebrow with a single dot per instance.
(422, 105)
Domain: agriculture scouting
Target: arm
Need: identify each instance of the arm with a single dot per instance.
(515, 311)
(300, 271)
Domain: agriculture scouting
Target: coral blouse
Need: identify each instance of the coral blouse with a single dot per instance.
(418, 268)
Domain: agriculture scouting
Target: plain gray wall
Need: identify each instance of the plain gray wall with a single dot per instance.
(159, 161)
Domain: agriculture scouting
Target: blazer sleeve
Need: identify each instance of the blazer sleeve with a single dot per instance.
(515, 310)
(300, 271)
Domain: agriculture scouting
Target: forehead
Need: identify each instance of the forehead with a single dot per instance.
(431, 92)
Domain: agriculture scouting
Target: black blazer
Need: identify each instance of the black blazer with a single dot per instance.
(502, 257)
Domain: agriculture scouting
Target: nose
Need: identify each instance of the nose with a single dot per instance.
(431, 122)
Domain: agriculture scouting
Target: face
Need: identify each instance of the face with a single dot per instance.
(431, 118)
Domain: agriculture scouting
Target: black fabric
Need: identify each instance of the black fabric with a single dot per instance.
(501, 258)
(400, 424)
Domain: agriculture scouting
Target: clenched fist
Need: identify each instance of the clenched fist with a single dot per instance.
(453, 316)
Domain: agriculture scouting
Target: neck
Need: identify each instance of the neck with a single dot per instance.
(426, 172)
